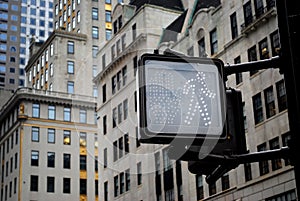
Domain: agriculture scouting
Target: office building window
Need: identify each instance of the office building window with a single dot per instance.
(95, 91)
(276, 163)
(78, 17)
(201, 48)
(51, 135)
(67, 185)
(245, 117)
(286, 196)
(259, 8)
(157, 163)
(51, 159)
(95, 13)
(115, 150)
(36, 110)
(213, 41)
(119, 79)
(252, 56)
(169, 195)
(263, 49)
(70, 87)
(135, 65)
(257, 108)
(120, 113)
(105, 157)
(108, 33)
(166, 160)
(116, 185)
(16, 160)
(71, 67)
(67, 114)
(234, 27)
(127, 179)
(248, 171)
(82, 139)
(286, 140)
(51, 70)
(105, 186)
(212, 189)
(34, 183)
(114, 117)
(126, 143)
(71, 48)
(124, 75)
(96, 163)
(96, 187)
(67, 137)
(269, 102)
(82, 189)
(95, 32)
(121, 147)
(50, 184)
(104, 93)
(67, 161)
(113, 84)
(137, 142)
(122, 183)
(263, 165)
(83, 162)
(275, 43)
(133, 28)
(225, 182)
(281, 96)
(35, 134)
(200, 190)
(104, 124)
(34, 158)
(190, 51)
(238, 76)
(95, 49)
(139, 173)
(82, 116)
(248, 13)
(107, 16)
(51, 50)
(15, 185)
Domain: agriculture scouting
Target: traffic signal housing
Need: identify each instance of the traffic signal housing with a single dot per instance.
(180, 98)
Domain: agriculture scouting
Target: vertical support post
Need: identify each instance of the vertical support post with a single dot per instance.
(288, 13)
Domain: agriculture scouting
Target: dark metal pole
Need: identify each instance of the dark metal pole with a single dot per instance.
(273, 62)
(230, 162)
(288, 13)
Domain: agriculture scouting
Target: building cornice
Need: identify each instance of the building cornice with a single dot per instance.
(50, 97)
(115, 62)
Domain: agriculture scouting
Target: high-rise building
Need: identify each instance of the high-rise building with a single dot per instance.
(237, 32)
(132, 171)
(234, 31)
(36, 25)
(48, 147)
(21, 22)
(58, 142)
(52, 134)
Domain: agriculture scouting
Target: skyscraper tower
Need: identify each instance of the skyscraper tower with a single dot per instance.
(21, 21)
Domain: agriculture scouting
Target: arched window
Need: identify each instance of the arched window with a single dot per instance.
(13, 49)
